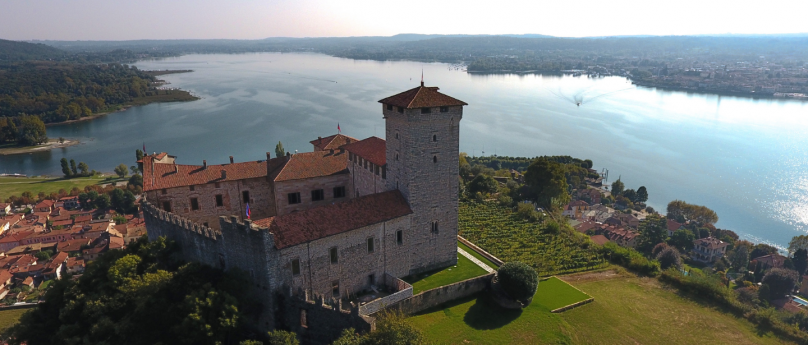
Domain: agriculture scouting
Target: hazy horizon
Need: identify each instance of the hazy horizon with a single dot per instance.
(94, 20)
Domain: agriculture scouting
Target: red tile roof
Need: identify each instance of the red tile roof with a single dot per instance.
(313, 164)
(710, 243)
(673, 225)
(332, 142)
(373, 149)
(319, 222)
(421, 97)
(164, 175)
(599, 239)
(72, 245)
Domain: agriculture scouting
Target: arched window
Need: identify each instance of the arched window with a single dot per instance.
(434, 159)
(396, 156)
(434, 137)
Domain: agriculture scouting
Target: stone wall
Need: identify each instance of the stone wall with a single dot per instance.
(306, 186)
(447, 293)
(319, 321)
(262, 200)
(368, 180)
(403, 291)
(422, 162)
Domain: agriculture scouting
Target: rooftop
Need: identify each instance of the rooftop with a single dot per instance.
(312, 164)
(373, 149)
(332, 142)
(422, 97)
(319, 222)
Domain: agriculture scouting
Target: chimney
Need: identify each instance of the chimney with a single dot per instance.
(204, 164)
(288, 154)
(224, 174)
(176, 169)
(319, 140)
(332, 151)
(269, 156)
(231, 159)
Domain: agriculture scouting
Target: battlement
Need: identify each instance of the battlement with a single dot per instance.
(177, 221)
(232, 225)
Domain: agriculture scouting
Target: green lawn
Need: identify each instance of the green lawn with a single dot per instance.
(16, 186)
(626, 310)
(476, 255)
(9, 317)
(554, 293)
(465, 269)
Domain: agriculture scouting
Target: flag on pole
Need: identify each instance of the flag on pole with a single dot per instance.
(144, 147)
(248, 211)
(338, 129)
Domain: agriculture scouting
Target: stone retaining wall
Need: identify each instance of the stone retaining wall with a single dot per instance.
(404, 292)
(447, 293)
(480, 251)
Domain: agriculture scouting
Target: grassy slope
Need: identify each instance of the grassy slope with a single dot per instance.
(465, 269)
(16, 186)
(9, 317)
(626, 310)
(554, 293)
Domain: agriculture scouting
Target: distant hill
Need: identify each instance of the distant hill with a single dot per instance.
(11, 51)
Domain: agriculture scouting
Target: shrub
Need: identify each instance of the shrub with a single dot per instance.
(781, 281)
(518, 280)
(658, 248)
(669, 257)
(279, 337)
(631, 259)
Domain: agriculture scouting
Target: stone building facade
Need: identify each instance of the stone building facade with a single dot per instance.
(332, 224)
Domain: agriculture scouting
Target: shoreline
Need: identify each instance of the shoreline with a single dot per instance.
(88, 118)
(52, 144)
(184, 96)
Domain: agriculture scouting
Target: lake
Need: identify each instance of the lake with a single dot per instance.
(747, 159)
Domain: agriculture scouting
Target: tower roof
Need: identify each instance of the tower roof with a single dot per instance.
(422, 97)
(373, 149)
(332, 142)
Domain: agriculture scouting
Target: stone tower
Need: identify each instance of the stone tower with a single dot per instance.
(422, 143)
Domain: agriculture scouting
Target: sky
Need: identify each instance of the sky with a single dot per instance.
(255, 19)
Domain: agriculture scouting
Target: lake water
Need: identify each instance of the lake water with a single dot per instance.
(746, 159)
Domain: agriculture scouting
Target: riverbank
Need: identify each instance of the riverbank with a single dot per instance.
(165, 97)
(11, 149)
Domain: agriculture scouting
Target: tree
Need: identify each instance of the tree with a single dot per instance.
(762, 249)
(669, 257)
(134, 169)
(658, 249)
(61, 140)
(740, 259)
(138, 155)
(630, 194)
(482, 184)
(642, 194)
(546, 181)
(43, 255)
(136, 181)
(84, 168)
(800, 260)
(653, 230)
(65, 167)
(31, 131)
(798, 242)
(781, 281)
(683, 239)
(618, 187)
(700, 214)
(518, 280)
(73, 167)
(279, 151)
(102, 202)
(588, 164)
(121, 170)
(279, 337)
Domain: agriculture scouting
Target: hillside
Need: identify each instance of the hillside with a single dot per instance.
(13, 51)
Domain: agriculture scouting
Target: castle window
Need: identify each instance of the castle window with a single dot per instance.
(194, 204)
(296, 267)
(400, 237)
(434, 159)
(303, 321)
(217, 185)
(444, 109)
(350, 156)
(294, 198)
(384, 172)
(206, 224)
(370, 245)
(339, 192)
(245, 196)
(335, 288)
(434, 137)
(366, 163)
(400, 110)
(317, 195)
(222, 264)
(396, 156)
(219, 200)
(435, 227)
(426, 110)
(167, 206)
(377, 170)
(396, 135)
(191, 188)
(389, 107)
(334, 255)
(163, 191)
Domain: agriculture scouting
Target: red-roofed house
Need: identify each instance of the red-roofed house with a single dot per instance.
(349, 217)
(75, 265)
(673, 226)
(54, 268)
(576, 209)
(708, 249)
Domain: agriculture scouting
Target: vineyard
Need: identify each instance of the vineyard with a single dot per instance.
(503, 233)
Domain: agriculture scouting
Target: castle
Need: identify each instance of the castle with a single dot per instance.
(348, 217)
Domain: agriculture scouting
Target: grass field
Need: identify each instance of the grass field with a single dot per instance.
(16, 185)
(554, 293)
(626, 310)
(477, 256)
(9, 317)
(465, 269)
